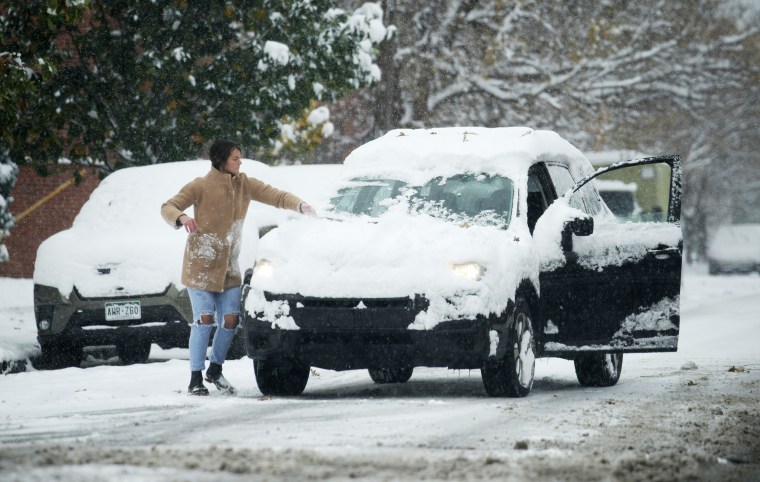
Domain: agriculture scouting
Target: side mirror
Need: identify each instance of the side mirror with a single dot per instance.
(580, 226)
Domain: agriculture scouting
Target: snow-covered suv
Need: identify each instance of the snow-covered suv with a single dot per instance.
(113, 278)
(467, 248)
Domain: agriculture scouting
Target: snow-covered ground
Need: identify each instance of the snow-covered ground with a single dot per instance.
(690, 415)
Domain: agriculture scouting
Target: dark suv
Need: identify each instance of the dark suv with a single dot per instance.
(469, 249)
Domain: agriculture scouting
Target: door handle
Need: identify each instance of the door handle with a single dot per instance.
(665, 253)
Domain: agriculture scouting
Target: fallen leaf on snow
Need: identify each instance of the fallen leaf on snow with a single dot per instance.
(690, 383)
(737, 369)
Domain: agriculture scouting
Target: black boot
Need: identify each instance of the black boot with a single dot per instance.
(196, 384)
(214, 375)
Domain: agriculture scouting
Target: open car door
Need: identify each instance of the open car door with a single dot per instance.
(619, 288)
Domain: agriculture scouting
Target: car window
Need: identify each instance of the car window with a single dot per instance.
(590, 197)
(477, 198)
(563, 181)
(474, 198)
(366, 196)
(636, 193)
(537, 199)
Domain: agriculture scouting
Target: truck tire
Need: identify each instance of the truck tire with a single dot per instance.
(598, 369)
(279, 379)
(513, 375)
(55, 356)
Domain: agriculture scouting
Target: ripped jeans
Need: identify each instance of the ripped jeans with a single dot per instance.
(216, 304)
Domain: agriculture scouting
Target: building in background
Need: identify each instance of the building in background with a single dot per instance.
(43, 206)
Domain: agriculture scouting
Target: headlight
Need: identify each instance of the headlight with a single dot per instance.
(263, 268)
(471, 271)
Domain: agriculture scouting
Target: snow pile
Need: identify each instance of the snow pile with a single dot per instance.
(657, 319)
(19, 339)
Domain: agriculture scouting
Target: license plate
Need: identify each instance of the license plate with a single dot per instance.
(123, 310)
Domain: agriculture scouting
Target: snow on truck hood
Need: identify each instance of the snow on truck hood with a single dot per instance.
(120, 232)
(395, 255)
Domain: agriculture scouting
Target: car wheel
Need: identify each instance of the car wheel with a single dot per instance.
(276, 379)
(713, 268)
(598, 369)
(391, 375)
(133, 352)
(513, 375)
(55, 356)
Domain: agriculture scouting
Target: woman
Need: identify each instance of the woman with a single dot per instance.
(210, 267)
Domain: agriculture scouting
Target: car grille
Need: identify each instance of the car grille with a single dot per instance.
(117, 298)
(418, 303)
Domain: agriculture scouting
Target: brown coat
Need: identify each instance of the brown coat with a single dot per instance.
(221, 202)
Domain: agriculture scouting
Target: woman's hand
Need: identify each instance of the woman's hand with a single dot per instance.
(189, 223)
(306, 209)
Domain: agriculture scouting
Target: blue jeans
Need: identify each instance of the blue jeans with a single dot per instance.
(207, 303)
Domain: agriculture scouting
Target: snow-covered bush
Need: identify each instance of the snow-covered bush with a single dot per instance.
(8, 173)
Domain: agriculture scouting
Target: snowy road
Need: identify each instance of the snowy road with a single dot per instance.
(662, 421)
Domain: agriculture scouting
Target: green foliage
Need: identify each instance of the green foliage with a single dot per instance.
(140, 81)
(26, 64)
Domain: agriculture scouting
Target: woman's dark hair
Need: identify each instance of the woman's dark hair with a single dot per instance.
(219, 152)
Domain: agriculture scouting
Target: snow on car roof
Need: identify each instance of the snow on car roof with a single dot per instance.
(449, 150)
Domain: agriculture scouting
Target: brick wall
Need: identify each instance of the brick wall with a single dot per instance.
(55, 215)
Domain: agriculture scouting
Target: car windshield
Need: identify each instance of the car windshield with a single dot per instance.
(465, 198)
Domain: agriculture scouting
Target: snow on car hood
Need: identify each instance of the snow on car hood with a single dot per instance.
(396, 255)
(112, 263)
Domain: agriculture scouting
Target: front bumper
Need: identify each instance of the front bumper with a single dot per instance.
(77, 320)
(354, 333)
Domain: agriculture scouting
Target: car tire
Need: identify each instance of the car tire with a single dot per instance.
(714, 268)
(277, 379)
(56, 356)
(513, 375)
(391, 375)
(133, 352)
(598, 369)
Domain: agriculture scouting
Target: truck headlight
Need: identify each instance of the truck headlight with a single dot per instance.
(471, 271)
(263, 268)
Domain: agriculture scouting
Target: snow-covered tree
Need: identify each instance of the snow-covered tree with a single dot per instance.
(141, 81)
(651, 75)
(8, 173)
(28, 62)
